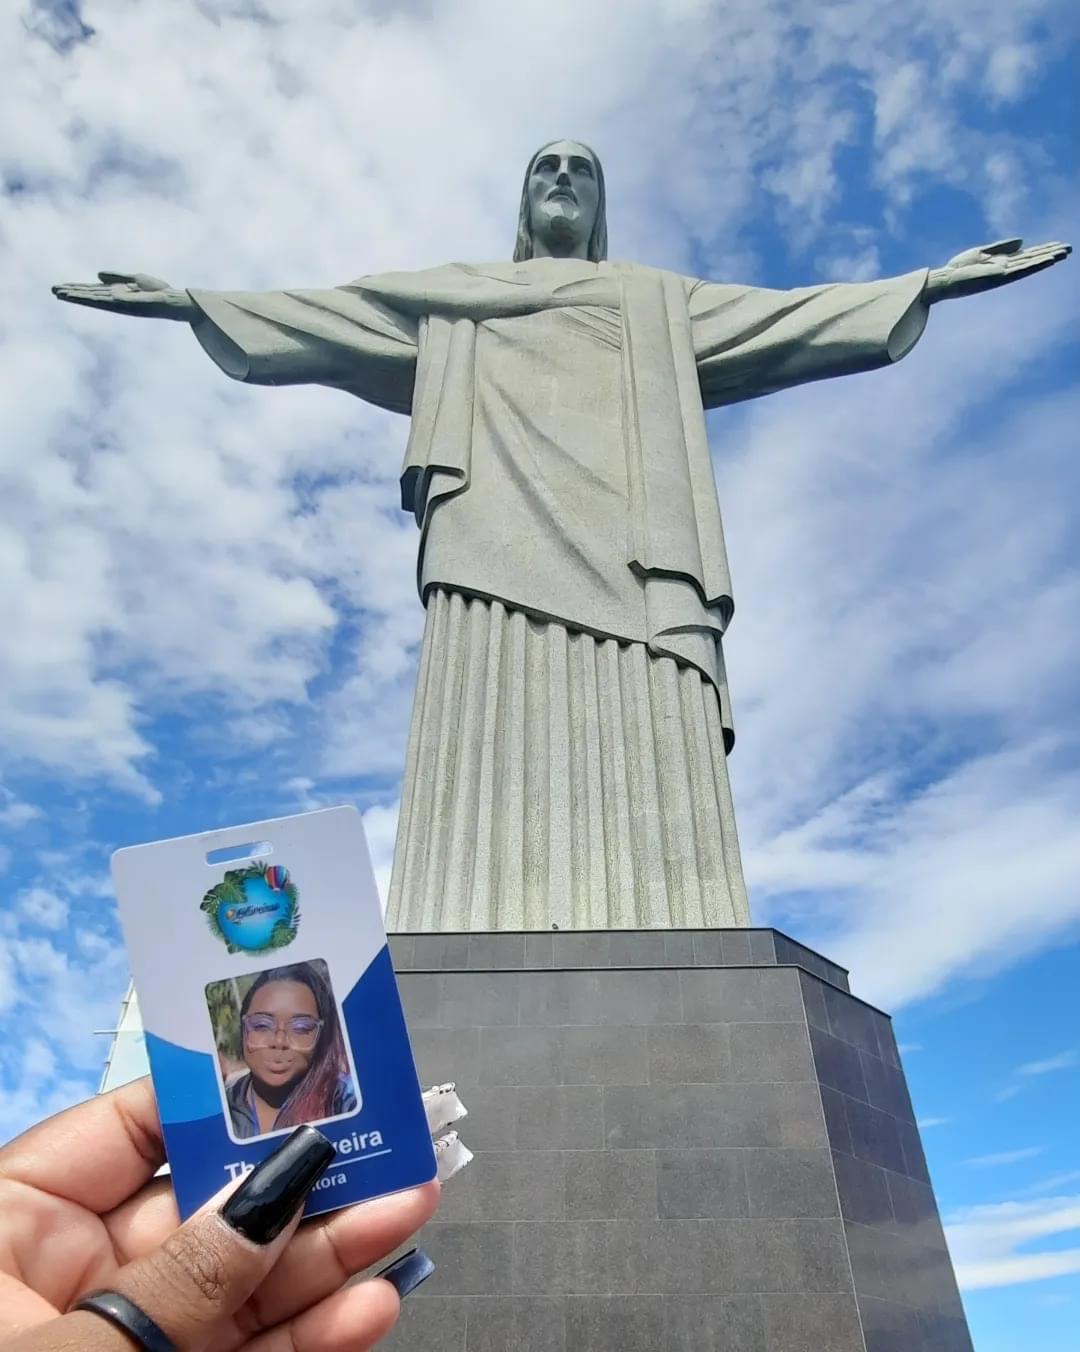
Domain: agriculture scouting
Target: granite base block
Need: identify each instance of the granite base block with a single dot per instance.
(688, 1141)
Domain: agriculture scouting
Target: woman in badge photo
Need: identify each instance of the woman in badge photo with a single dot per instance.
(292, 1045)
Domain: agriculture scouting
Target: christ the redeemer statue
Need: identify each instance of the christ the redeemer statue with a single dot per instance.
(566, 763)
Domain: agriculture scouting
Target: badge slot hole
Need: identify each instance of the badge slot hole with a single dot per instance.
(231, 854)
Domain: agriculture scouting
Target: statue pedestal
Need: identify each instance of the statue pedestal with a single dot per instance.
(685, 1141)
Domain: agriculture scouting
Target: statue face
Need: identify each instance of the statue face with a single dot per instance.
(564, 193)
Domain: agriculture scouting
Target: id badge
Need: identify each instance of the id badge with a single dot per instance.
(268, 1000)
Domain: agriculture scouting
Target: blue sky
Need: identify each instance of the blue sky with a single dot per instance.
(209, 610)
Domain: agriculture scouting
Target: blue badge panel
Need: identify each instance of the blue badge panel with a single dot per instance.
(268, 1000)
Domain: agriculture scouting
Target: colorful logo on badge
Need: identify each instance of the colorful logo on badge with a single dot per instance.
(254, 909)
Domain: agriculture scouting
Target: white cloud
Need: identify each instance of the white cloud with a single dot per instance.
(8, 980)
(860, 262)
(988, 1242)
(380, 824)
(307, 798)
(39, 1061)
(30, 1100)
(1031, 1070)
(57, 999)
(42, 907)
(1063, 1061)
(927, 820)
(925, 1123)
(1006, 1157)
(57, 986)
(1010, 70)
(1053, 1184)
(15, 814)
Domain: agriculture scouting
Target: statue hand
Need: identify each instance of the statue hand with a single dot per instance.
(129, 293)
(991, 265)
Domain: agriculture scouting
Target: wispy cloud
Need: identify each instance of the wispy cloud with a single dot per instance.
(925, 1123)
(1030, 1070)
(42, 906)
(1052, 1184)
(14, 813)
(904, 869)
(62, 972)
(1005, 1157)
(991, 1245)
(1063, 1061)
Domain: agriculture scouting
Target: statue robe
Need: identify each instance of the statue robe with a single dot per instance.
(566, 762)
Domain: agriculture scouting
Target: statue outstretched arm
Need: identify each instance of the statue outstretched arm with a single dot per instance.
(750, 341)
(989, 266)
(130, 293)
(339, 336)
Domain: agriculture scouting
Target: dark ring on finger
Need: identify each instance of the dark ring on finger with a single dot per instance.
(127, 1317)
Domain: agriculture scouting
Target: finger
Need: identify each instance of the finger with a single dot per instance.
(1048, 254)
(193, 1283)
(76, 291)
(121, 1127)
(323, 1255)
(1002, 246)
(110, 278)
(348, 1321)
(21, 1307)
(141, 1223)
(1051, 246)
(1055, 252)
(1030, 268)
(96, 297)
(93, 302)
(327, 1252)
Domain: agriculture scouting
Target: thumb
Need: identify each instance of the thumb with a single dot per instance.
(142, 280)
(145, 282)
(207, 1269)
(1002, 246)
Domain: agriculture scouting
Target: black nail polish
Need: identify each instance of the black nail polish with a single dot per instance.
(272, 1194)
(407, 1272)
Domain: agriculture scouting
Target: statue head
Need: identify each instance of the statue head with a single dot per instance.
(563, 205)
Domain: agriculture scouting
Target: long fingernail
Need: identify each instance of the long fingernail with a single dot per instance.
(270, 1196)
(407, 1272)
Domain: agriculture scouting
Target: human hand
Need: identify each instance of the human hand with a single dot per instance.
(990, 266)
(80, 1211)
(129, 293)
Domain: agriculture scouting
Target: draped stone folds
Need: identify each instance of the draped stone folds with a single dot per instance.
(567, 756)
(559, 780)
